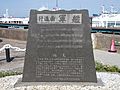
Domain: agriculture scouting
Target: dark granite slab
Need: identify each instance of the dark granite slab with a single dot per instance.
(59, 47)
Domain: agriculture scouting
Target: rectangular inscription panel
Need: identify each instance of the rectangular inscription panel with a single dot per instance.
(62, 67)
(59, 18)
(59, 47)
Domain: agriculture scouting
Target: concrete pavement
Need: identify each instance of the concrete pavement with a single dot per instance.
(107, 57)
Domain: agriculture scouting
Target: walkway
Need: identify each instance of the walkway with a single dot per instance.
(107, 57)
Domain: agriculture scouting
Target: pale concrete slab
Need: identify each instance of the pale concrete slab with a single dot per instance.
(107, 57)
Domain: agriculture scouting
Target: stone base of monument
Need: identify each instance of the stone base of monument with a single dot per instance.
(52, 85)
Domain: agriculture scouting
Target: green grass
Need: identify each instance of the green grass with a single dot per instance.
(4, 74)
(106, 68)
(99, 68)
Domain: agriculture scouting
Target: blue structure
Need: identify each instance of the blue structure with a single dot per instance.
(6, 25)
(106, 30)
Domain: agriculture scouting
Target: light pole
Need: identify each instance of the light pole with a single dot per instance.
(57, 3)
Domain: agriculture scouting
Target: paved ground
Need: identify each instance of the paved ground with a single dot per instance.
(17, 63)
(107, 57)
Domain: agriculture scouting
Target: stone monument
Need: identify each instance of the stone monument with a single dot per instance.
(59, 47)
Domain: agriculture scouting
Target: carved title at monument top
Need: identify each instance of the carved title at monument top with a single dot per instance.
(59, 18)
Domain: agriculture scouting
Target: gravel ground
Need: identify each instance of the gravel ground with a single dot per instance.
(111, 82)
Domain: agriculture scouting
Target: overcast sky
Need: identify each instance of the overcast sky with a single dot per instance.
(21, 8)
